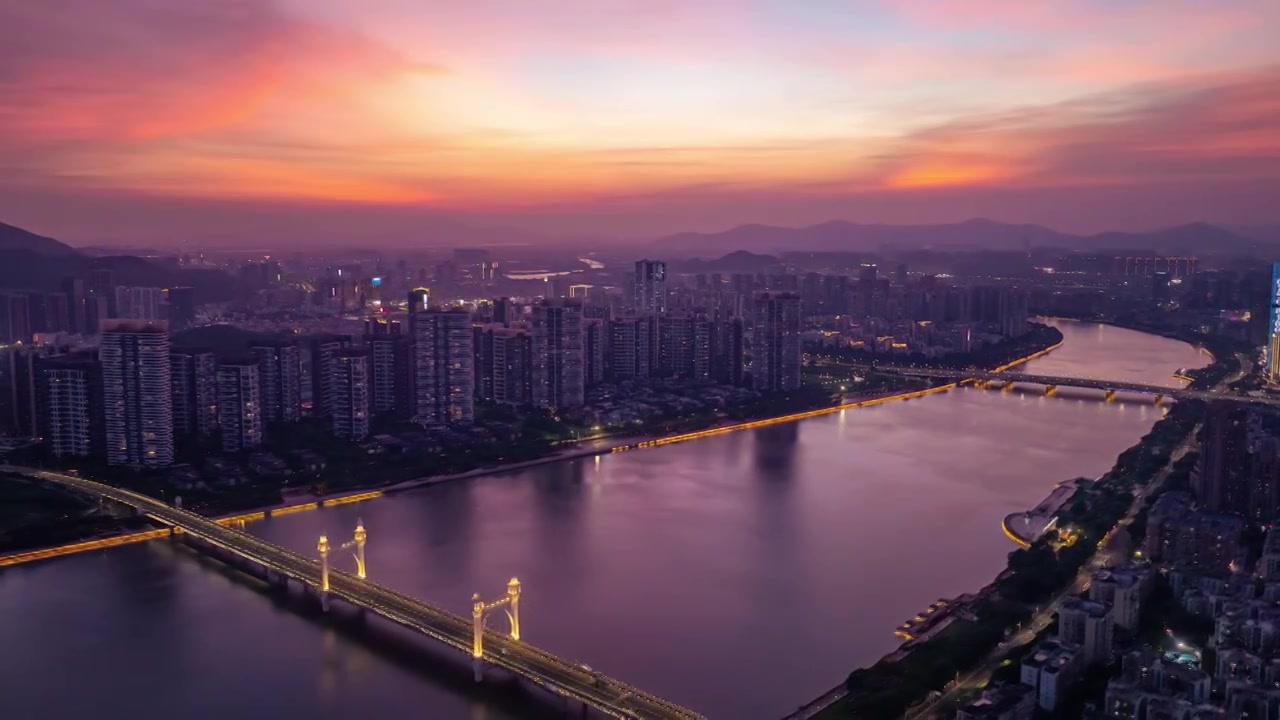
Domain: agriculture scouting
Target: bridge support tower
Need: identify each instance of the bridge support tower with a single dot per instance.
(323, 548)
(1049, 390)
(357, 542)
(1159, 400)
(510, 603)
(1111, 395)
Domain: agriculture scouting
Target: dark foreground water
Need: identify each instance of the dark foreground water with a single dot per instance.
(739, 575)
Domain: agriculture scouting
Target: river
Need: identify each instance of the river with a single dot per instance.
(739, 575)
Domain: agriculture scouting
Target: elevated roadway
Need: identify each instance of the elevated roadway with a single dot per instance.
(1055, 381)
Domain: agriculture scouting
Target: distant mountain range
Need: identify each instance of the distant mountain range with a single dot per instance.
(845, 236)
(33, 262)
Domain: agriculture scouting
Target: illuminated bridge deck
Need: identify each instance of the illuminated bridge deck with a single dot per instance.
(1080, 382)
(564, 677)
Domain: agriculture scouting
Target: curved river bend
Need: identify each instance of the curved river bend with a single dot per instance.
(740, 575)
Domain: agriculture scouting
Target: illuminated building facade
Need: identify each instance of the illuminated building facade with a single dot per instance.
(137, 395)
(1273, 347)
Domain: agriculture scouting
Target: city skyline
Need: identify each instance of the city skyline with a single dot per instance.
(290, 120)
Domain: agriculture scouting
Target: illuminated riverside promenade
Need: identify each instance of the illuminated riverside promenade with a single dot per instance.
(563, 677)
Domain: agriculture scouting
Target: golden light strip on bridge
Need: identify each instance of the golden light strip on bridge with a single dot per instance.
(361, 497)
(294, 508)
(246, 517)
(85, 546)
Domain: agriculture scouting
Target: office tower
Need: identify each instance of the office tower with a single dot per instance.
(505, 365)
(139, 303)
(650, 286)
(102, 285)
(557, 354)
(728, 351)
(15, 318)
(321, 349)
(443, 366)
(56, 315)
(775, 342)
(900, 275)
(1001, 309)
(136, 392)
(239, 409)
(182, 306)
(419, 301)
(685, 347)
(19, 398)
(503, 311)
(1221, 483)
(630, 342)
(75, 291)
(1086, 623)
(70, 395)
(595, 345)
(279, 371)
(350, 385)
(193, 377)
(96, 312)
(1273, 327)
(390, 369)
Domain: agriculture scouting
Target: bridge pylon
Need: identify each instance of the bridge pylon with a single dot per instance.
(357, 542)
(1159, 400)
(323, 548)
(510, 603)
(1111, 395)
(1049, 390)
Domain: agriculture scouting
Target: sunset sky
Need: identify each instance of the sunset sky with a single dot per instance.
(173, 120)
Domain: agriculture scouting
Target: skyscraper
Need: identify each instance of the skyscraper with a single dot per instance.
(140, 303)
(443, 366)
(279, 368)
(69, 392)
(182, 306)
(390, 369)
(505, 358)
(557, 354)
(595, 345)
(1273, 346)
(239, 408)
(321, 349)
(651, 286)
(350, 385)
(75, 290)
(15, 318)
(631, 343)
(775, 342)
(193, 376)
(137, 395)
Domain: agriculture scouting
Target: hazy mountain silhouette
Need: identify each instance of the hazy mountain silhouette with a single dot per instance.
(16, 239)
(34, 262)
(843, 235)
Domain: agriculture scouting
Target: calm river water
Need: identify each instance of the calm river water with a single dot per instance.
(739, 575)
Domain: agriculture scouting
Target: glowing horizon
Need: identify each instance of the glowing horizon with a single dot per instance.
(606, 115)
